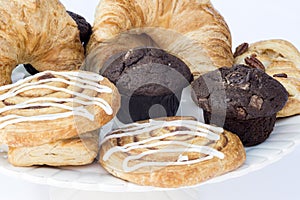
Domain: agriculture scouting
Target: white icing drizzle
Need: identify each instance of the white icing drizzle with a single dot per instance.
(197, 129)
(83, 80)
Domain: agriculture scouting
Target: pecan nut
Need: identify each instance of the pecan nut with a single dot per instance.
(282, 75)
(252, 61)
(241, 49)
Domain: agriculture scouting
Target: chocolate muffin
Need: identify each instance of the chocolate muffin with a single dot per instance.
(85, 30)
(150, 81)
(242, 99)
(84, 27)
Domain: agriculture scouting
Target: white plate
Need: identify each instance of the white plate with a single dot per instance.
(285, 137)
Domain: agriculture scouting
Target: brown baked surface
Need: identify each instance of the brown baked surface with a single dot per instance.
(202, 40)
(40, 33)
(33, 133)
(173, 176)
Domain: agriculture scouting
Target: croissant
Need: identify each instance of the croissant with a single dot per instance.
(190, 29)
(281, 60)
(170, 152)
(40, 33)
(52, 106)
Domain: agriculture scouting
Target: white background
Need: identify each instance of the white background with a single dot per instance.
(249, 21)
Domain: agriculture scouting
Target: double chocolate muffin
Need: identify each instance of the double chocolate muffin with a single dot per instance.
(150, 81)
(242, 99)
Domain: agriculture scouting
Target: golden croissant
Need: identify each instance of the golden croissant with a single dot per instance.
(190, 29)
(40, 33)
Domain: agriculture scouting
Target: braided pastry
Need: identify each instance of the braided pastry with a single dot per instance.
(190, 29)
(282, 61)
(52, 106)
(170, 152)
(40, 33)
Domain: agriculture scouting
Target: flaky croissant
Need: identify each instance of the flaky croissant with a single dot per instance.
(281, 60)
(39, 32)
(190, 29)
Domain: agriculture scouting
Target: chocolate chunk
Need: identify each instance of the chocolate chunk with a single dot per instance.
(256, 102)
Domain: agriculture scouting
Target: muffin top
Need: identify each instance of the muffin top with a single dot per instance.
(147, 71)
(245, 92)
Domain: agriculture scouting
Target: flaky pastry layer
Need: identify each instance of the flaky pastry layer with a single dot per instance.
(69, 152)
(169, 168)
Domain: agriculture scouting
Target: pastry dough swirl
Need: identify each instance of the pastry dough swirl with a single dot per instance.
(170, 152)
(43, 105)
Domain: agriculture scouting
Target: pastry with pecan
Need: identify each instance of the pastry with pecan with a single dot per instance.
(281, 59)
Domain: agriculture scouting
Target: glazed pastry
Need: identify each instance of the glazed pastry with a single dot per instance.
(191, 30)
(68, 152)
(282, 61)
(51, 106)
(241, 99)
(145, 78)
(38, 32)
(170, 152)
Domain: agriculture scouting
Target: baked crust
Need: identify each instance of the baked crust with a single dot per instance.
(279, 57)
(68, 152)
(42, 129)
(39, 32)
(171, 175)
(202, 40)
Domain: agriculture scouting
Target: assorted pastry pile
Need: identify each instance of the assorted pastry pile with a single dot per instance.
(139, 56)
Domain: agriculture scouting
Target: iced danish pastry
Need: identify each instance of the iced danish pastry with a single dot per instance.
(170, 152)
(52, 106)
